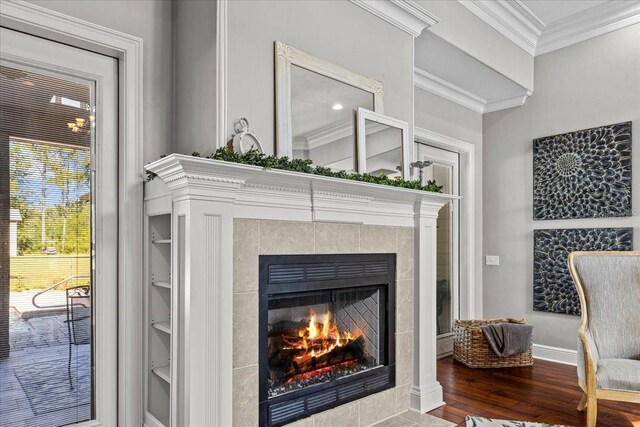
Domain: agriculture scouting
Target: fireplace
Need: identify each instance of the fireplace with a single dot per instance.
(326, 332)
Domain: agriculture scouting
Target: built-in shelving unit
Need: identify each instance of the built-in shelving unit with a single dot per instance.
(158, 321)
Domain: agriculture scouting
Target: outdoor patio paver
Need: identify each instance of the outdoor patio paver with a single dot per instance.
(40, 344)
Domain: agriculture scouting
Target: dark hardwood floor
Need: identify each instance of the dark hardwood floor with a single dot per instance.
(546, 392)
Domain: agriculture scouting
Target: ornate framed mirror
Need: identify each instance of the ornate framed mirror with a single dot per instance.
(383, 145)
(315, 108)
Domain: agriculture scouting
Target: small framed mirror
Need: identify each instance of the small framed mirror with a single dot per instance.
(316, 102)
(383, 145)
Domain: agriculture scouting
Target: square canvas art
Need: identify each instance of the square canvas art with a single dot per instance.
(553, 287)
(583, 174)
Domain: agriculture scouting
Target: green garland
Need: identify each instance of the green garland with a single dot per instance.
(255, 158)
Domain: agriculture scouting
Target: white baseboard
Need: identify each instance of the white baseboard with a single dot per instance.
(555, 354)
(426, 399)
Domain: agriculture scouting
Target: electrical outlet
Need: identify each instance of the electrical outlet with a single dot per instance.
(492, 260)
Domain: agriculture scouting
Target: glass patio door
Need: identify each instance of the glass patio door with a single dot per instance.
(58, 251)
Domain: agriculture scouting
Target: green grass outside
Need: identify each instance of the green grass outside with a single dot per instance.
(41, 271)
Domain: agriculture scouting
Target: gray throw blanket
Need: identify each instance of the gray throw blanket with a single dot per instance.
(507, 339)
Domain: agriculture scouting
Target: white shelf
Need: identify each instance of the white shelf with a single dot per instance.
(163, 372)
(162, 284)
(159, 337)
(151, 421)
(163, 326)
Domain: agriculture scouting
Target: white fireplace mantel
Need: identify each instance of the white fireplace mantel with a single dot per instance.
(208, 194)
(257, 191)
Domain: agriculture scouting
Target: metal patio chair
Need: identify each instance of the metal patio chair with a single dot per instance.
(78, 319)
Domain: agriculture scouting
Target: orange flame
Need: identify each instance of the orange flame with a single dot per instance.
(319, 339)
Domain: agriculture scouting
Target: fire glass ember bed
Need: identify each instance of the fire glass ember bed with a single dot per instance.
(326, 332)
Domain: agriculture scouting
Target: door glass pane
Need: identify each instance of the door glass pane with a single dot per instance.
(46, 309)
(443, 175)
(444, 170)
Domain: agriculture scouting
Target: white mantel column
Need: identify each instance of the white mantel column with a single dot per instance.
(203, 354)
(426, 393)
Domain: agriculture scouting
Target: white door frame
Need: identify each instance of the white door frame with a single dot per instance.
(63, 62)
(38, 21)
(470, 277)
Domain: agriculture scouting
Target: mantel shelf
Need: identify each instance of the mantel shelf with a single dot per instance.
(323, 198)
(178, 167)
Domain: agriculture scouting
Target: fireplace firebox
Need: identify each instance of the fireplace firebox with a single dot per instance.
(326, 332)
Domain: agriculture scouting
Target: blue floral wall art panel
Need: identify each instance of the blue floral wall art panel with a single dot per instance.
(583, 174)
(553, 287)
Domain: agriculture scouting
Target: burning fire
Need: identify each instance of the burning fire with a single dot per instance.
(319, 338)
(300, 351)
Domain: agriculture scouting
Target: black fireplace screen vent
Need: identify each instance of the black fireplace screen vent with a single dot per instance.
(290, 410)
(288, 273)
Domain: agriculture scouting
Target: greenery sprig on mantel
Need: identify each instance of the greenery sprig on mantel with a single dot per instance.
(256, 158)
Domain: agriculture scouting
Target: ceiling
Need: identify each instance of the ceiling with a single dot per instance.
(550, 11)
(29, 110)
(536, 26)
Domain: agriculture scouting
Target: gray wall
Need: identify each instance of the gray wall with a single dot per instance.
(357, 40)
(195, 76)
(151, 21)
(593, 83)
(440, 115)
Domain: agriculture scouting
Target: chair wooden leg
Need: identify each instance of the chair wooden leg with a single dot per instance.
(583, 402)
(592, 412)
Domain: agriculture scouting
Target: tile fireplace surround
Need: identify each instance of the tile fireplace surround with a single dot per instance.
(232, 214)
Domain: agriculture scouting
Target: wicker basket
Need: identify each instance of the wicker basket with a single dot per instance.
(472, 349)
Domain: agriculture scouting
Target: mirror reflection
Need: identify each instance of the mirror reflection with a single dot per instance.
(322, 118)
(383, 148)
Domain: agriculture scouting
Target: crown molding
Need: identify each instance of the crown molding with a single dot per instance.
(438, 86)
(512, 19)
(325, 135)
(593, 22)
(332, 133)
(434, 84)
(299, 144)
(404, 14)
(503, 104)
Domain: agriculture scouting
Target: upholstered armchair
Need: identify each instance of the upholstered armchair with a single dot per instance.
(608, 285)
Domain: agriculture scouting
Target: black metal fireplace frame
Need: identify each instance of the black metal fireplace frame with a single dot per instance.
(312, 273)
